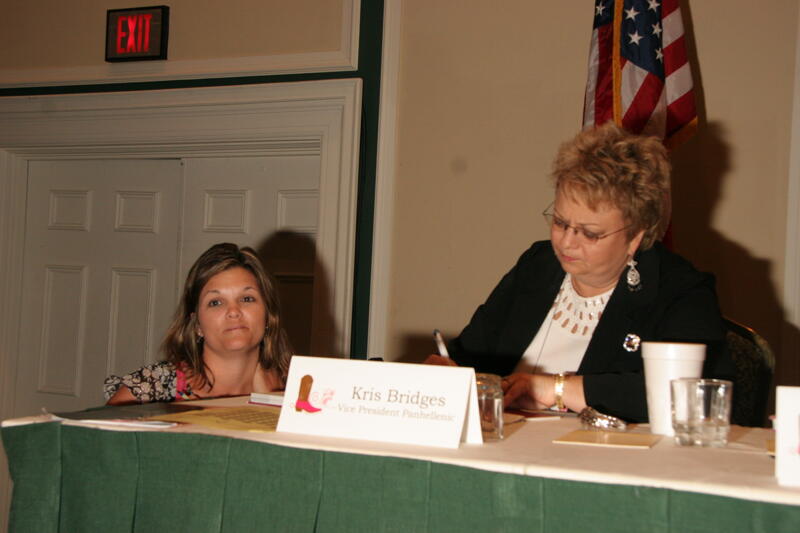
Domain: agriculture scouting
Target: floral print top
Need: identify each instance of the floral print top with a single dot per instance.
(159, 382)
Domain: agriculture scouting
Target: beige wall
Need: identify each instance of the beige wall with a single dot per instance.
(732, 180)
(58, 33)
(486, 95)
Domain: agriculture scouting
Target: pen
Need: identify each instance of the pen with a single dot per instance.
(437, 336)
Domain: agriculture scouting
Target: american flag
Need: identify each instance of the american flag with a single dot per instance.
(639, 73)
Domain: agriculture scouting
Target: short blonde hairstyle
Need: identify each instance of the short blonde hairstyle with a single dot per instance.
(607, 165)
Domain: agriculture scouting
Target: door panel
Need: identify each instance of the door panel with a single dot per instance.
(100, 269)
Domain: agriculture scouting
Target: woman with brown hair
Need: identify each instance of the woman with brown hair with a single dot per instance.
(226, 338)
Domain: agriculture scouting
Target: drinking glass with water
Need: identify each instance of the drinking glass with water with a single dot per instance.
(701, 411)
(490, 406)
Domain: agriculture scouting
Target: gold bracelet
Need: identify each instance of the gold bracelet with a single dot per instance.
(558, 388)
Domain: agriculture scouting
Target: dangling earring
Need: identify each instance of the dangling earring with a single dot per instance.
(200, 340)
(633, 277)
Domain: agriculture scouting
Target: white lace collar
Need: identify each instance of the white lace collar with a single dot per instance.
(577, 314)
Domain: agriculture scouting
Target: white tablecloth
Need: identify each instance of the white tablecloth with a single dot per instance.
(742, 470)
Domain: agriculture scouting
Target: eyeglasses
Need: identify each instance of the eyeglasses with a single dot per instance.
(584, 235)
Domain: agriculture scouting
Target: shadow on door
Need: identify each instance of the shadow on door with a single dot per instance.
(291, 259)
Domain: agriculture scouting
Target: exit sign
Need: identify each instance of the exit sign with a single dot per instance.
(137, 34)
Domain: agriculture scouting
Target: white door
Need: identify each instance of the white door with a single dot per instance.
(270, 203)
(107, 251)
(100, 274)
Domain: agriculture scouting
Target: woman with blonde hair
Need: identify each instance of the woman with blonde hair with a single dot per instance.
(565, 325)
(225, 339)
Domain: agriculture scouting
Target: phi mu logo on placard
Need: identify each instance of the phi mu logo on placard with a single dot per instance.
(305, 396)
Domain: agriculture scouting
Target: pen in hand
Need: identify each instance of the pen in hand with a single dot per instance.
(437, 336)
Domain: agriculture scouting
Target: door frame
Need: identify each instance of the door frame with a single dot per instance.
(790, 340)
(316, 117)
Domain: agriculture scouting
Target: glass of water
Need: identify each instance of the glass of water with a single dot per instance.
(490, 406)
(701, 411)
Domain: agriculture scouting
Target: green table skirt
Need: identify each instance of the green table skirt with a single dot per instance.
(74, 479)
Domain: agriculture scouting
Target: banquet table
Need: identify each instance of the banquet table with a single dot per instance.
(76, 476)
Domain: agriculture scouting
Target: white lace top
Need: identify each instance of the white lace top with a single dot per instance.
(564, 335)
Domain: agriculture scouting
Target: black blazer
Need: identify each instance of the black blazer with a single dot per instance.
(675, 303)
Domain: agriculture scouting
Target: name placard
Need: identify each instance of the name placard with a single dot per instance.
(391, 402)
(787, 436)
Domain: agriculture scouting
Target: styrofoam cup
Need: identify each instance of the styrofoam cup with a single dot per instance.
(663, 362)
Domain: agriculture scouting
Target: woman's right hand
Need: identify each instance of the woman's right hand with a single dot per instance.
(434, 359)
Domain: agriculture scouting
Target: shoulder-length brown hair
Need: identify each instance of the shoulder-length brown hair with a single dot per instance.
(183, 347)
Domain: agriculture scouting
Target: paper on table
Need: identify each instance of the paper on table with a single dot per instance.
(538, 414)
(510, 418)
(132, 424)
(611, 439)
(249, 418)
(138, 411)
(127, 416)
